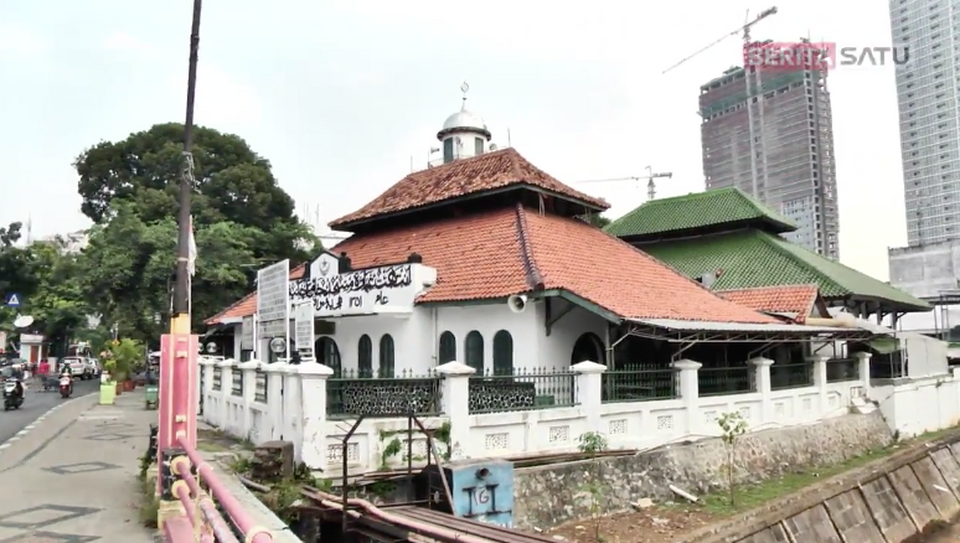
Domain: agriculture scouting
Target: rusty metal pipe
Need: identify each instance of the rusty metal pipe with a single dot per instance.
(429, 530)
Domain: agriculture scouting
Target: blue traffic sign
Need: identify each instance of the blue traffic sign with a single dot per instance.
(13, 300)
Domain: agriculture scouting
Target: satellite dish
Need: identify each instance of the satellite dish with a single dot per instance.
(23, 321)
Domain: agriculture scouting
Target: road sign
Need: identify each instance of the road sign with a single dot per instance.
(13, 300)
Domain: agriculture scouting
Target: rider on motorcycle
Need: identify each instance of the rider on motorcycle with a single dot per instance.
(17, 391)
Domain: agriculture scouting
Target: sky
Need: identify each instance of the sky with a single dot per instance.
(341, 97)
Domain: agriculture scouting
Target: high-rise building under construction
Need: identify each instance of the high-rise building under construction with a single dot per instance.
(769, 133)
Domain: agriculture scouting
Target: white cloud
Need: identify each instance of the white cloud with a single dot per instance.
(20, 41)
(122, 41)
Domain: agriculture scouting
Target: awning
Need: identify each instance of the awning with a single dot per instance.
(674, 330)
(883, 344)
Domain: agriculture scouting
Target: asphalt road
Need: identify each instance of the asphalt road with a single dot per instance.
(36, 404)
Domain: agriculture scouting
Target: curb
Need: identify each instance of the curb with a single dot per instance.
(26, 429)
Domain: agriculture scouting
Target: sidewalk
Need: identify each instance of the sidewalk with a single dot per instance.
(73, 478)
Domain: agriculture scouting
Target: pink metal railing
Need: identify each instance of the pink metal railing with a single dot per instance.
(201, 510)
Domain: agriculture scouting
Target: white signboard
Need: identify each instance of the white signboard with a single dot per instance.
(303, 329)
(273, 301)
(246, 334)
(369, 291)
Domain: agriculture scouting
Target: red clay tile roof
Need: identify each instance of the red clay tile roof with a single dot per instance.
(246, 306)
(486, 172)
(514, 250)
(796, 300)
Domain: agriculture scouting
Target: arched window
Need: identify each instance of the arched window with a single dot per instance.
(365, 357)
(474, 351)
(328, 354)
(503, 353)
(386, 357)
(589, 346)
(448, 347)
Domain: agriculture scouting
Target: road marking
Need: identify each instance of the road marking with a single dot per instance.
(26, 429)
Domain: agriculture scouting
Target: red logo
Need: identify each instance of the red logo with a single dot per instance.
(790, 56)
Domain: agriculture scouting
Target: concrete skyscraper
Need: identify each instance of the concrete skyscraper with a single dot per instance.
(770, 134)
(929, 136)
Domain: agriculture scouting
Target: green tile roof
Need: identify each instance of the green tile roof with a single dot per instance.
(752, 258)
(698, 211)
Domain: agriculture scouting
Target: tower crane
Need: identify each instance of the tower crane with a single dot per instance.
(745, 29)
(651, 186)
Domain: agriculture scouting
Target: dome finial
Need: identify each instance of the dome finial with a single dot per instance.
(464, 88)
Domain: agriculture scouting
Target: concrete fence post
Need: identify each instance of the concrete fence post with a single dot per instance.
(275, 374)
(763, 384)
(249, 371)
(688, 387)
(226, 383)
(208, 367)
(455, 403)
(293, 409)
(590, 391)
(863, 364)
(820, 381)
(313, 406)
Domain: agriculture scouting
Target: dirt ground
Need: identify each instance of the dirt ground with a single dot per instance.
(651, 525)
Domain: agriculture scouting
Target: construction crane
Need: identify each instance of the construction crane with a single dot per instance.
(651, 186)
(745, 29)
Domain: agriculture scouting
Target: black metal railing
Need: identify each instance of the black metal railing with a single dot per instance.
(236, 385)
(793, 375)
(717, 381)
(640, 382)
(843, 369)
(521, 389)
(375, 397)
(260, 387)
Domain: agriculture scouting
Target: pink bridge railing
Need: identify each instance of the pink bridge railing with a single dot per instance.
(202, 521)
(176, 439)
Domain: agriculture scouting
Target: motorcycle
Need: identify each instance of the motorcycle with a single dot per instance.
(11, 398)
(66, 386)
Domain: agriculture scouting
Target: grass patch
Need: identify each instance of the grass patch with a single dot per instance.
(752, 496)
(149, 503)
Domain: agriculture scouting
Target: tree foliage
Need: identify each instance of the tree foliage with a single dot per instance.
(243, 221)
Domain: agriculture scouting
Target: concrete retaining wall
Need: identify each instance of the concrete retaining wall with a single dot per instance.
(887, 505)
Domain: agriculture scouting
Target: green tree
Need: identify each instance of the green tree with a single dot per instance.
(129, 269)
(234, 184)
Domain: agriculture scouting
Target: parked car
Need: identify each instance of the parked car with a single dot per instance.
(78, 367)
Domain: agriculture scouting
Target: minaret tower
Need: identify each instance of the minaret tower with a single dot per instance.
(464, 134)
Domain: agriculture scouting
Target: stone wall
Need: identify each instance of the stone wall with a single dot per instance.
(546, 496)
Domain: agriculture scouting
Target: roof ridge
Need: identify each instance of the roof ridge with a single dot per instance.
(771, 287)
(533, 275)
(767, 238)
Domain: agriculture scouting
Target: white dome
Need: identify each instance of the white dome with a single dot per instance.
(464, 121)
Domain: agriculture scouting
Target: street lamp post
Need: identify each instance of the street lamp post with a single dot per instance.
(178, 359)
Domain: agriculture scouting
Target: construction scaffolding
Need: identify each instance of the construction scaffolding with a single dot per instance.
(772, 84)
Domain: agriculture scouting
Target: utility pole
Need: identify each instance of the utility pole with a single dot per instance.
(180, 320)
(180, 349)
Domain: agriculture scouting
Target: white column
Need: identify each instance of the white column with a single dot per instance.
(455, 401)
(590, 392)
(275, 374)
(226, 383)
(820, 381)
(761, 379)
(249, 371)
(690, 393)
(313, 391)
(207, 366)
(292, 409)
(863, 361)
